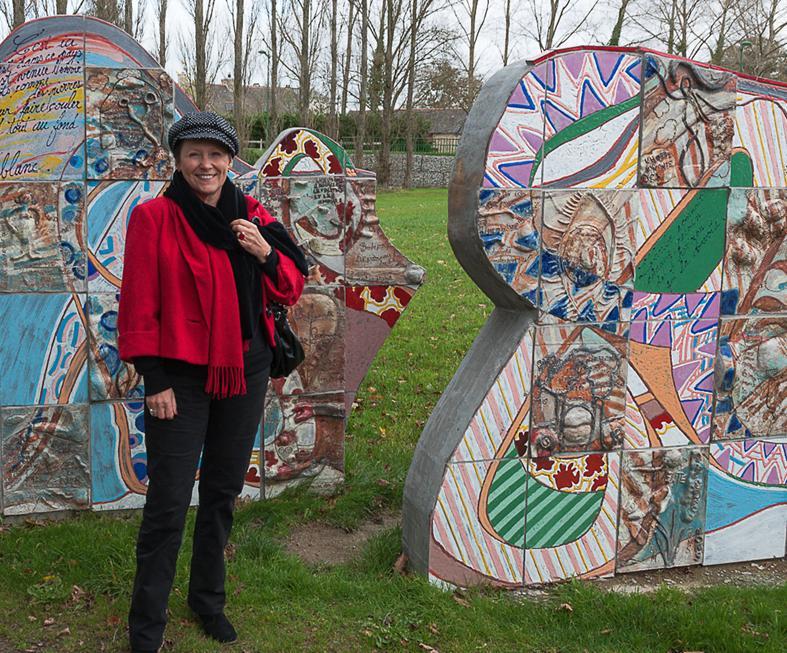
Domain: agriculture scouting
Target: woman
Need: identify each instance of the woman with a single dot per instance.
(201, 265)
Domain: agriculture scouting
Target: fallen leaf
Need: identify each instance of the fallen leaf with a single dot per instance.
(64, 632)
(383, 482)
(606, 631)
(426, 647)
(434, 629)
(30, 617)
(461, 601)
(49, 621)
(113, 620)
(566, 607)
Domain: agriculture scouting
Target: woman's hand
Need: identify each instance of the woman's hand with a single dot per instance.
(162, 405)
(251, 239)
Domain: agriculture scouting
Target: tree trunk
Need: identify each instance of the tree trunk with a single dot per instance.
(618, 27)
(348, 58)
(128, 16)
(200, 55)
(333, 122)
(19, 12)
(507, 35)
(384, 159)
(304, 76)
(162, 33)
(238, 109)
(362, 92)
(61, 7)
(273, 118)
(408, 169)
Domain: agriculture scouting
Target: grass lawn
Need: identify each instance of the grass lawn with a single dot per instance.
(281, 604)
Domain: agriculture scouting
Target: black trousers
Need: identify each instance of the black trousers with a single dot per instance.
(224, 431)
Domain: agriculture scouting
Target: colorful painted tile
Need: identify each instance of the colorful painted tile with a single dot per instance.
(572, 506)
(478, 524)
(109, 209)
(118, 459)
(41, 235)
(129, 112)
(579, 389)
(592, 120)
(680, 240)
(62, 51)
(48, 365)
(755, 262)
(42, 120)
(509, 226)
(662, 515)
(303, 437)
(751, 378)
(688, 119)
(675, 306)
(500, 426)
(45, 459)
(314, 214)
(587, 254)
(515, 149)
(747, 501)
(318, 319)
(760, 122)
(670, 384)
(300, 151)
(371, 313)
(110, 377)
(370, 257)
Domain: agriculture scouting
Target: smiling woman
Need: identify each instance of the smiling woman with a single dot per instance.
(202, 263)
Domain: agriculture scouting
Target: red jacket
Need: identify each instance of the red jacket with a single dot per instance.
(160, 312)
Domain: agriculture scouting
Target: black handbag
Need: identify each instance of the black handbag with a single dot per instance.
(288, 352)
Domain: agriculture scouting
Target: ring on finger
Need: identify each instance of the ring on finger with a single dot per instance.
(152, 412)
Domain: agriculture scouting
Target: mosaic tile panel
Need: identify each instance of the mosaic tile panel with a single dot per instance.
(129, 112)
(572, 506)
(579, 388)
(41, 236)
(370, 257)
(516, 147)
(662, 515)
(110, 377)
(303, 437)
(680, 240)
(751, 378)
(755, 264)
(592, 113)
(49, 364)
(118, 460)
(587, 255)
(747, 501)
(509, 225)
(761, 121)
(109, 208)
(688, 118)
(45, 459)
(670, 382)
(479, 522)
(42, 118)
(319, 321)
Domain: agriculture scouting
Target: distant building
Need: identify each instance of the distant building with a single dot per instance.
(445, 127)
(221, 97)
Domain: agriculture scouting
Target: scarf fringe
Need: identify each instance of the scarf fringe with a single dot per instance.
(225, 381)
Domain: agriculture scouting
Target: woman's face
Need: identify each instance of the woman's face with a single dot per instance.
(204, 165)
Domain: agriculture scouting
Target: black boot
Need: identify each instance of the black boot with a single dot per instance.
(218, 627)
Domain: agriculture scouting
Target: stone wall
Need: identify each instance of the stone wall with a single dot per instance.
(429, 170)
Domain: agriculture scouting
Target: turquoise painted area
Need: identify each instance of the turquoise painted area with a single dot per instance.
(730, 499)
(104, 208)
(106, 483)
(30, 322)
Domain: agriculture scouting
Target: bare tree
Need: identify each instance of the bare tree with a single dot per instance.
(333, 119)
(163, 38)
(363, 86)
(474, 13)
(18, 12)
(299, 28)
(108, 10)
(507, 32)
(200, 63)
(244, 28)
(554, 22)
(617, 28)
(347, 63)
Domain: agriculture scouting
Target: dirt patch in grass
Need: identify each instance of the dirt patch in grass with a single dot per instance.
(321, 544)
(5, 647)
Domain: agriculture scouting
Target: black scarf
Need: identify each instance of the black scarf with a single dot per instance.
(278, 238)
(212, 226)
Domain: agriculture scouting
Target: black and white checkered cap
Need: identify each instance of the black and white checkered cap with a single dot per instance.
(204, 125)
